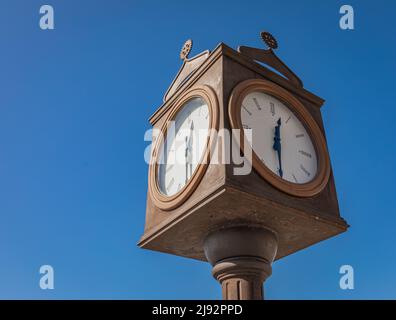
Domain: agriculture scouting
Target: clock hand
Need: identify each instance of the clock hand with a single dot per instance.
(188, 152)
(280, 163)
(277, 146)
(185, 158)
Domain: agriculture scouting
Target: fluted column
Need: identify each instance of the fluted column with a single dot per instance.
(242, 278)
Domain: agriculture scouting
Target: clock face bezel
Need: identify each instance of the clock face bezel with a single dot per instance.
(308, 189)
(161, 200)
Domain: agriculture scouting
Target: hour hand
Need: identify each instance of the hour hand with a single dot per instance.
(188, 154)
(277, 146)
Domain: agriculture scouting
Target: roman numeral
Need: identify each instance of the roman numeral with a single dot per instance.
(256, 103)
(294, 177)
(299, 135)
(305, 153)
(247, 110)
(305, 170)
(245, 126)
(288, 119)
(178, 186)
(272, 109)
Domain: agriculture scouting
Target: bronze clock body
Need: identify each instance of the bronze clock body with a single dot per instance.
(222, 217)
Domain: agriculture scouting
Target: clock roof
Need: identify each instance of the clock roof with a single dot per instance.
(186, 70)
(255, 59)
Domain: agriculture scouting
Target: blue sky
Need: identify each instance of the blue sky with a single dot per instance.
(74, 104)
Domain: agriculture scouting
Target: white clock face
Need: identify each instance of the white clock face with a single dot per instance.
(183, 146)
(278, 138)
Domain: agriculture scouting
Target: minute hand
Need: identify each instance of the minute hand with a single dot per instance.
(188, 152)
(277, 146)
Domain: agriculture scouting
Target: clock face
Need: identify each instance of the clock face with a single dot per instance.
(183, 146)
(278, 138)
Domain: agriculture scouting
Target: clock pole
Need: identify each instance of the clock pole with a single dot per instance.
(241, 257)
(240, 223)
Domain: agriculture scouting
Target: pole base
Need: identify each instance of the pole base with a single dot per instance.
(241, 258)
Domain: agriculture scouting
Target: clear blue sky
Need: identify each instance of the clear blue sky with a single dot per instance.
(74, 104)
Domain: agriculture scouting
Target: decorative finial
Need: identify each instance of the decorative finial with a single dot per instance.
(186, 49)
(269, 39)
